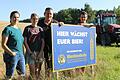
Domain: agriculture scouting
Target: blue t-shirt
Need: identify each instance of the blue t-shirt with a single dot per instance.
(15, 38)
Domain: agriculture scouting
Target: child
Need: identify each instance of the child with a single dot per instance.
(34, 43)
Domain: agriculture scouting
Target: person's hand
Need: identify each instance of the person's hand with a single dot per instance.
(88, 25)
(29, 52)
(49, 58)
(40, 55)
(13, 53)
(60, 24)
(33, 55)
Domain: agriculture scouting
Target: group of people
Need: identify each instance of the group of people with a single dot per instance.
(37, 40)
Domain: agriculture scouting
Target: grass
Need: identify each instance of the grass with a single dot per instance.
(106, 68)
(108, 63)
(2, 67)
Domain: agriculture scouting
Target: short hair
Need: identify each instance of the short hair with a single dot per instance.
(33, 14)
(47, 9)
(13, 12)
(83, 13)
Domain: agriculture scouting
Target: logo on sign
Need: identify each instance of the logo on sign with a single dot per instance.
(61, 59)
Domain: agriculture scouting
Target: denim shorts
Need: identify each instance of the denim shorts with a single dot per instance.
(14, 62)
(31, 60)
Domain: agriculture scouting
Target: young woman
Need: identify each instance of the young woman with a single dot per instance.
(12, 43)
(34, 43)
(83, 22)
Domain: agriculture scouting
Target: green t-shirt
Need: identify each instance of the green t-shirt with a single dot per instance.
(15, 38)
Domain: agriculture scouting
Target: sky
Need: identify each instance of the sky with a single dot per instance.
(26, 7)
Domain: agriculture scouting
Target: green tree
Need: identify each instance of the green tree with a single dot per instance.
(117, 12)
(91, 13)
(69, 15)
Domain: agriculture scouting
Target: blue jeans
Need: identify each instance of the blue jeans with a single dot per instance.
(14, 62)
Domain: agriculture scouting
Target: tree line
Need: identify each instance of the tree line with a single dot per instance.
(71, 15)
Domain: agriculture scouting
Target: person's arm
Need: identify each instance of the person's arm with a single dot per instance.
(42, 46)
(42, 38)
(25, 34)
(43, 43)
(41, 50)
(5, 47)
(88, 25)
(26, 45)
(58, 22)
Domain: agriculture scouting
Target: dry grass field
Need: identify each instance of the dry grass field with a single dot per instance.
(106, 68)
(64, 75)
